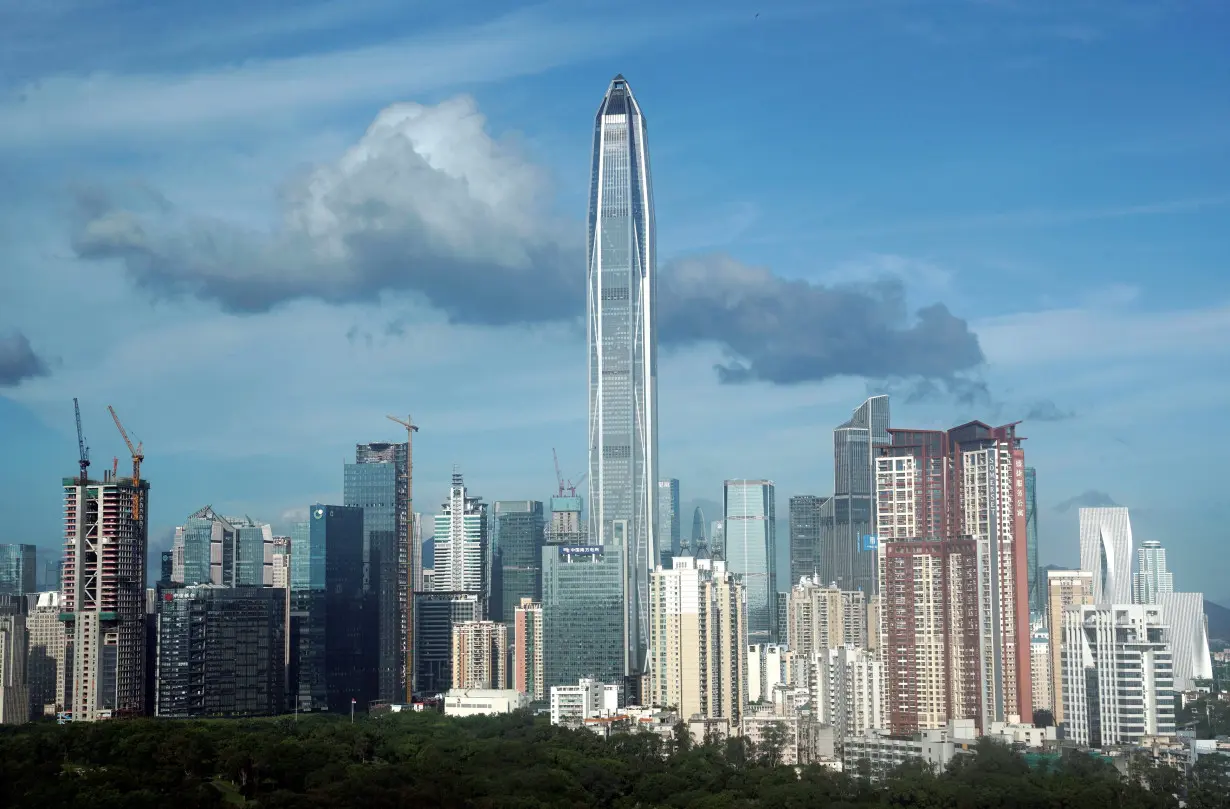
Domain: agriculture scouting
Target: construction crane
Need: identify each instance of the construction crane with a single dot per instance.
(572, 487)
(559, 475)
(411, 550)
(83, 452)
(138, 455)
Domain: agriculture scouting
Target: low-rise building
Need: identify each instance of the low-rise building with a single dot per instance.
(573, 704)
(634, 719)
(761, 722)
(483, 701)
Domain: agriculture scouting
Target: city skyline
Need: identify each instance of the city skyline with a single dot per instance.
(1033, 285)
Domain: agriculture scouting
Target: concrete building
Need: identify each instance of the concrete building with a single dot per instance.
(1152, 577)
(529, 672)
(634, 719)
(1040, 669)
(483, 701)
(768, 666)
(1189, 637)
(824, 617)
(1064, 589)
(566, 526)
(847, 691)
(480, 655)
(574, 703)
(46, 670)
(106, 542)
(1106, 552)
(1118, 676)
(757, 725)
(884, 752)
(750, 516)
(698, 639)
(18, 568)
(14, 694)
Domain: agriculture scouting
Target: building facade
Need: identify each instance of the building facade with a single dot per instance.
(1106, 552)
(529, 673)
(847, 690)
(18, 568)
(46, 670)
(1152, 577)
(221, 652)
(750, 516)
(670, 536)
(1040, 661)
(1189, 637)
(585, 632)
(106, 543)
(825, 617)
(805, 536)
(1037, 583)
(519, 537)
(623, 352)
(849, 516)
(435, 615)
(462, 549)
(480, 655)
(769, 665)
(1064, 589)
(14, 693)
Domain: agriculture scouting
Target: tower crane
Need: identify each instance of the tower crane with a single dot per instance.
(138, 455)
(83, 452)
(559, 475)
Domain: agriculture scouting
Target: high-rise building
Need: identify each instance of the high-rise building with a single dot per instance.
(529, 674)
(805, 536)
(480, 655)
(18, 568)
(847, 690)
(51, 575)
(221, 652)
(462, 548)
(769, 665)
(670, 537)
(1118, 683)
(1189, 638)
(1152, 577)
(1034, 575)
(106, 540)
(970, 482)
(14, 694)
(849, 515)
(1040, 668)
(700, 531)
(1064, 589)
(820, 617)
(623, 347)
(435, 615)
(378, 483)
(584, 627)
(46, 674)
(698, 641)
(519, 537)
(750, 515)
(335, 642)
(717, 538)
(1106, 552)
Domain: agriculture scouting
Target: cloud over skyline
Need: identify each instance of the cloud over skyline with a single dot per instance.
(18, 362)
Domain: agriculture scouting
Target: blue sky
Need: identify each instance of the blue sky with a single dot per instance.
(187, 187)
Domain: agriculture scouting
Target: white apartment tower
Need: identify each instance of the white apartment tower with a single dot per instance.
(1151, 578)
(820, 618)
(462, 548)
(1106, 552)
(847, 690)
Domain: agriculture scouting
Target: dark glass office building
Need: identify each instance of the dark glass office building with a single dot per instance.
(804, 537)
(334, 627)
(519, 537)
(846, 518)
(434, 616)
(583, 613)
(18, 567)
(221, 652)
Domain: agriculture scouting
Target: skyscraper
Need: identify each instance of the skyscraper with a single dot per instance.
(1064, 589)
(18, 567)
(669, 536)
(462, 548)
(623, 362)
(1037, 582)
(850, 514)
(528, 673)
(480, 655)
(585, 634)
(106, 541)
(804, 536)
(1106, 552)
(1189, 638)
(519, 530)
(1152, 578)
(14, 693)
(45, 670)
(699, 530)
(377, 482)
(750, 516)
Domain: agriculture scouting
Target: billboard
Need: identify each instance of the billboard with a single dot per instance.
(871, 542)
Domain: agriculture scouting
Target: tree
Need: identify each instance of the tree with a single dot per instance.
(1209, 786)
(1044, 718)
(773, 741)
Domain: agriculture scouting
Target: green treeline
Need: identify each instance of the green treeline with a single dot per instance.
(427, 760)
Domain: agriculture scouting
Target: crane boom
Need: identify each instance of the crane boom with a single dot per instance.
(138, 455)
(559, 475)
(83, 452)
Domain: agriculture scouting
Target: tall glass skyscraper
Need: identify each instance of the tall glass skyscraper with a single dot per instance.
(669, 536)
(519, 533)
(846, 558)
(17, 569)
(749, 512)
(1037, 583)
(582, 590)
(621, 320)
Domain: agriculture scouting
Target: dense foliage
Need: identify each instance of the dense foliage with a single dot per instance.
(427, 760)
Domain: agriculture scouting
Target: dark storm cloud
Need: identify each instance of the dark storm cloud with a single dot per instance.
(1046, 410)
(1089, 499)
(18, 362)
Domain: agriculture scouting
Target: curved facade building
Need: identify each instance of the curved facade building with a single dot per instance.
(623, 408)
(1106, 552)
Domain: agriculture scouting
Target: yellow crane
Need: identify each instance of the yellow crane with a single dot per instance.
(138, 455)
(411, 550)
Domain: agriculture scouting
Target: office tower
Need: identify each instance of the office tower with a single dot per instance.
(698, 640)
(480, 655)
(970, 482)
(850, 514)
(1106, 552)
(1064, 589)
(669, 536)
(529, 676)
(461, 544)
(749, 514)
(699, 536)
(435, 615)
(584, 627)
(202, 541)
(166, 568)
(105, 545)
(18, 566)
(1037, 585)
(45, 658)
(819, 618)
(252, 565)
(334, 624)
(768, 666)
(153, 596)
(14, 694)
(519, 537)
(1152, 577)
(566, 526)
(1189, 637)
(51, 575)
(1118, 681)
(417, 563)
(781, 615)
(279, 572)
(623, 347)
(221, 652)
(932, 634)
(805, 536)
(847, 690)
(378, 482)
(1040, 669)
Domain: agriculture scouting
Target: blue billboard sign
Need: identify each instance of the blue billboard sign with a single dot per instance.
(871, 542)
